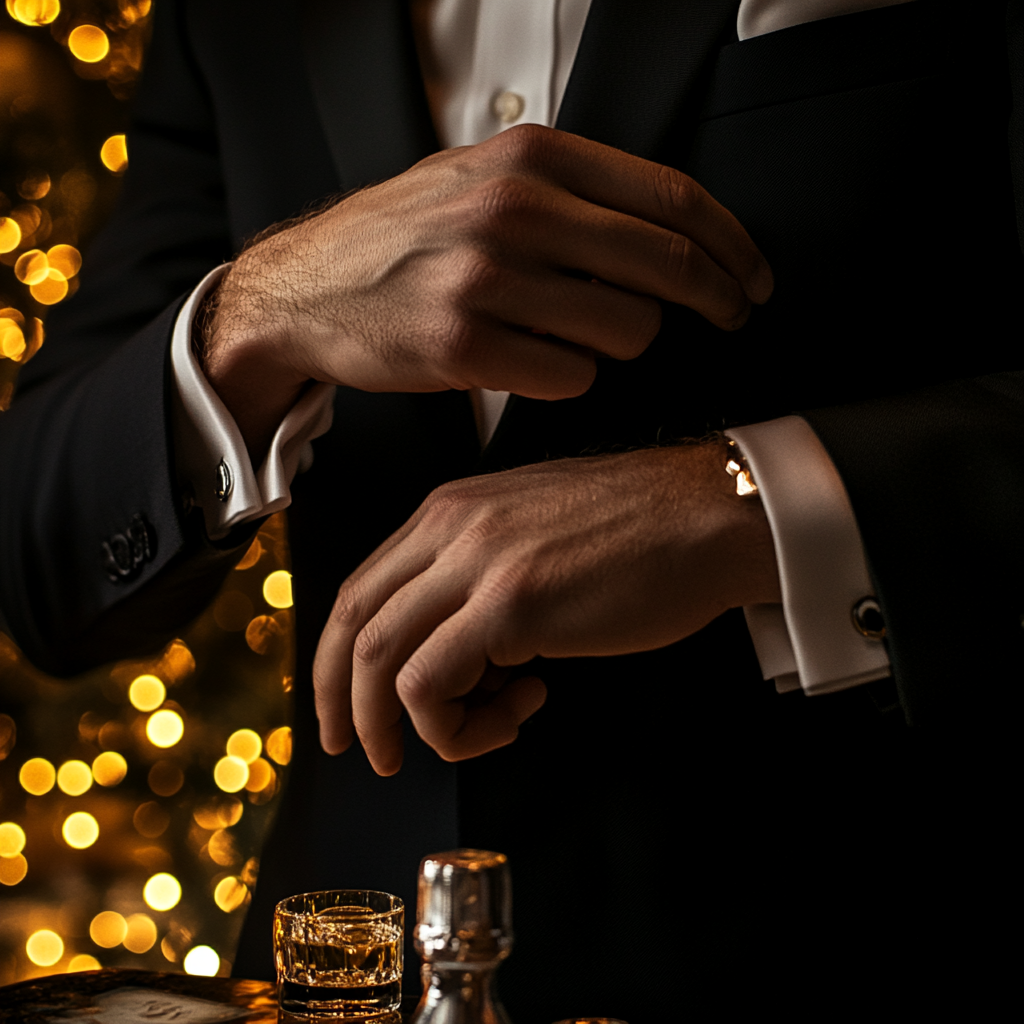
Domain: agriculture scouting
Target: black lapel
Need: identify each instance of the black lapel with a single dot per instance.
(636, 68)
(365, 77)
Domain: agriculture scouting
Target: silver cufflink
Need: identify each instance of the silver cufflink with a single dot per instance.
(223, 485)
(867, 618)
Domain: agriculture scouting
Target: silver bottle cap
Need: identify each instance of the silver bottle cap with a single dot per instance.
(464, 907)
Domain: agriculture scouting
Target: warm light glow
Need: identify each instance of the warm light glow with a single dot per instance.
(218, 813)
(230, 893)
(35, 186)
(231, 773)
(261, 775)
(222, 848)
(114, 154)
(252, 556)
(165, 778)
(260, 633)
(50, 291)
(74, 778)
(277, 589)
(37, 776)
(65, 258)
(162, 891)
(12, 339)
(279, 745)
(10, 234)
(12, 839)
(13, 869)
(34, 12)
(89, 43)
(44, 948)
(109, 768)
(80, 830)
(202, 961)
(141, 934)
(32, 267)
(8, 730)
(147, 693)
(150, 819)
(165, 728)
(245, 744)
(108, 929)
(83, 962)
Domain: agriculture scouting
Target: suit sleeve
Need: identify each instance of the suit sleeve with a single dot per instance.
(98, 557)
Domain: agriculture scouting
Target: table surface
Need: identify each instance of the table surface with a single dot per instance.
(38, 1000)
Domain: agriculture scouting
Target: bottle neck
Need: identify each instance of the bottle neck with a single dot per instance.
(459, 993)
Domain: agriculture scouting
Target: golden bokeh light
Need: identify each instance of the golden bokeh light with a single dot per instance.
(35, 186)
(108, 929)
(12, 839)
(51, 290)
(223, 849)
(162, 891)
(231, 773)
(277, 589)
(65, 258)
(260, 633)
(261, 775)
(252, 556)
(114, 154)
(246, 744)
(140, 936)
(37, 776)
(279, 745)
(32, 267)
(230, 893)
(44, 948)
(147, 693)
(34, 12)
(165, 778)
(13, 869)
(80, 830)
(89, 43)
(151, 819)
(218, 813)
(10, 234)
(164, 728)
(12, 339)
(109, 768)
(74, 778)
(202, 961)
(83, 962)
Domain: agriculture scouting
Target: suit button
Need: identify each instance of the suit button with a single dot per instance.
(867, 618)
(508, 106)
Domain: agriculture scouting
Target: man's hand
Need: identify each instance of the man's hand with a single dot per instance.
(506, 265)
(590, 556)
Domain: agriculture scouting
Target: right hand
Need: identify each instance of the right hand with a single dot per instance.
(509, 265)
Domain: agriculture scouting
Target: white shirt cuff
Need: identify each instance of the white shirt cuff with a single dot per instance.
(811, 641)
(211, 459)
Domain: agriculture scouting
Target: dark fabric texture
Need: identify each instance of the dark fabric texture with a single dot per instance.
(682, 838)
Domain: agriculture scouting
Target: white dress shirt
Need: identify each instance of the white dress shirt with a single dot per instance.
(488, 65)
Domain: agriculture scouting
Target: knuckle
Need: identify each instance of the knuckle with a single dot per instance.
(678, 256)
(499, 204)
(674, 191)
(414, 685)
(526, 145)
(371, 645)
(346, 615)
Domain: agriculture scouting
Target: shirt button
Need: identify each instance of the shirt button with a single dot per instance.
(508, 106)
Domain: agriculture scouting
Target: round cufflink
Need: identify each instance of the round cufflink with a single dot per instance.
(867, 618)
(223, 485)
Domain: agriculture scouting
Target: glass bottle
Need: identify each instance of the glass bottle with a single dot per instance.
(463, 932)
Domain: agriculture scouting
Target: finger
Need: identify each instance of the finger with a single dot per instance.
(527, 364)
(642, 257)
(388, 569)
(381, 649)
(649, 191)
(609, 320)
(442, 672)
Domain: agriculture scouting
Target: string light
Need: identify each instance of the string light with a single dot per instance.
(114, 154)
(202, 961)
(83, 962)
(13, 869)
(10, 234)
(261, 775)
(164, 728)
(246, 744)
(80, 830)
(140, 933)
(231, 773)
(109, 768)
(230, 893)
(12, 839)
(44, 947)
(277, 589)
(37, 776)
(89, 43)
(162, 891)
(147, 693)
(51, 290)
(74, 778)
(108, 929)
(34, 12)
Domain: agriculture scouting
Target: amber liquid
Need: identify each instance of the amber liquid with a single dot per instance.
(340, 961)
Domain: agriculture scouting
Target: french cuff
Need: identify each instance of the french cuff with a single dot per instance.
(820, 638)
(211, 459)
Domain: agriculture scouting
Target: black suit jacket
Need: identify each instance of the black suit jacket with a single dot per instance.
(678, 832)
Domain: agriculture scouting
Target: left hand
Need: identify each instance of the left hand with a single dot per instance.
(578, 557)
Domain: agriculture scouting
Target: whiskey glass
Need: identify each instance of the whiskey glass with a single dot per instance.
(339, 954)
